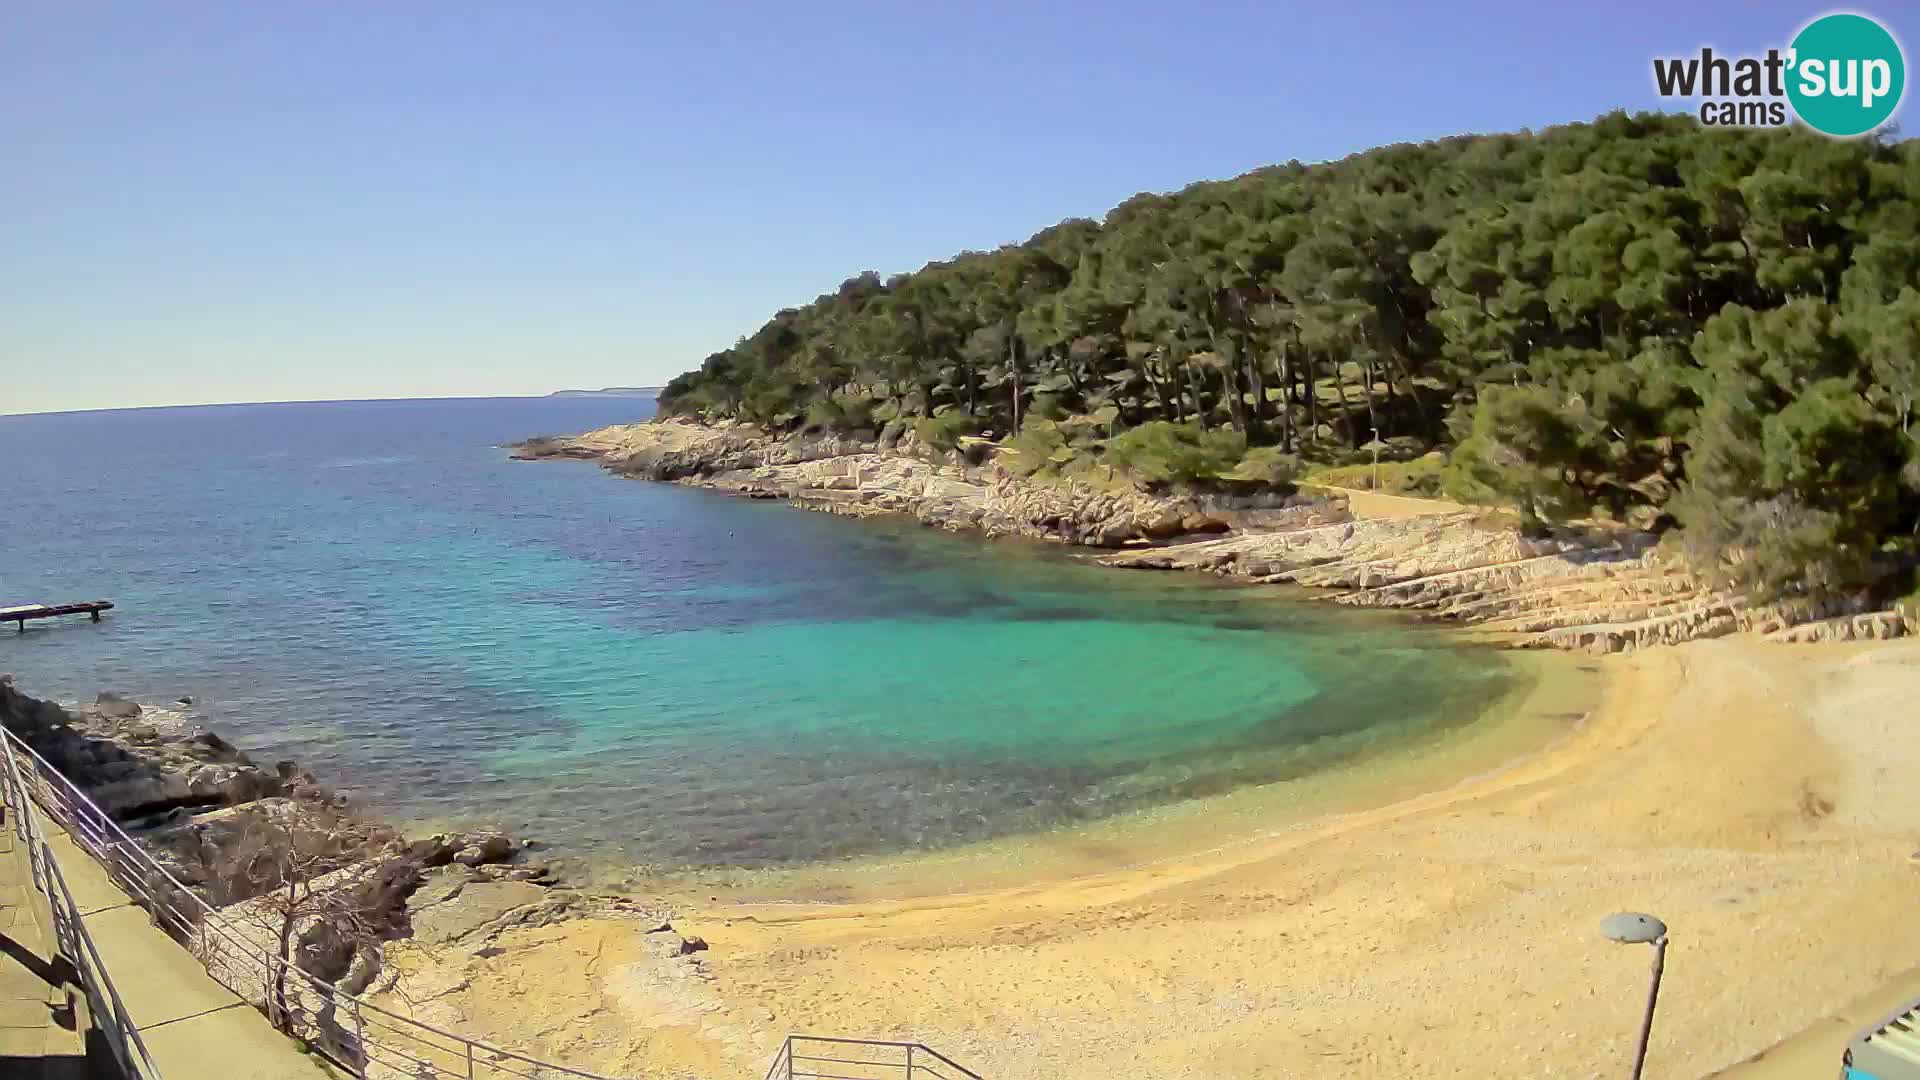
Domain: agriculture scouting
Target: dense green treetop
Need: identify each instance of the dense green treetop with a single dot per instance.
(1639, 317)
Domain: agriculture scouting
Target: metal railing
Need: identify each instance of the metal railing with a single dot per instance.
(105, 1011)
(370, 1042)
(822, 1057)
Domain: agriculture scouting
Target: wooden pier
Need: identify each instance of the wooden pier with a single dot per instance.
(20, 613)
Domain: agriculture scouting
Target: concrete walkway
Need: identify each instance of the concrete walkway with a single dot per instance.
(1815, 1052)
(1377, 504)
(40, 1015)
(192, 1026)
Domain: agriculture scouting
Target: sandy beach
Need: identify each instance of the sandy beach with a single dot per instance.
(1757, 796)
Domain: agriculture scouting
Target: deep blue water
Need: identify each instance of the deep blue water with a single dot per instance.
(645, 672)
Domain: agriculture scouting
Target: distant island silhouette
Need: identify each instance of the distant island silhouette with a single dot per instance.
(610, 391)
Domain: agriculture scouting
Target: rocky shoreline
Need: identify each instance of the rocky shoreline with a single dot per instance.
(1598, 589)
(860, 479)
(294, 870)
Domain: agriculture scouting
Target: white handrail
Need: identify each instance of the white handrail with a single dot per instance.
(162, 895)
(104, 1007)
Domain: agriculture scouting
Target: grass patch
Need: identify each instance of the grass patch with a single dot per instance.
(1420, 477)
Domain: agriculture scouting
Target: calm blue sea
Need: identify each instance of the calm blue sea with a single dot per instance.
(643, 672)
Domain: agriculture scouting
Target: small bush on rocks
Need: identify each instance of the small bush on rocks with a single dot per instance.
(944, 432)
(1163, 453)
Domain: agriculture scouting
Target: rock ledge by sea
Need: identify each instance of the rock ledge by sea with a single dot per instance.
(1599, 589)
(245, 839)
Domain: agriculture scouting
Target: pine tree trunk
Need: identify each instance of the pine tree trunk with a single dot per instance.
(1076, 379)
(1160, 381)
(1230, 390)
(1413, 392)
(1340, 389)
(1258, 390)
(1311, 393)
(1192, 389)
(1013, 365)
(1373, 418)
(1286, 401)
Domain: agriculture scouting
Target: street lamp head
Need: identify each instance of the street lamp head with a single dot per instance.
(1633, 928)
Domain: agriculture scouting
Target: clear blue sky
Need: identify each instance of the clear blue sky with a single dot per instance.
(238, 202)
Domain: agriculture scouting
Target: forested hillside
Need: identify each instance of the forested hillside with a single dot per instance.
(1640, 318)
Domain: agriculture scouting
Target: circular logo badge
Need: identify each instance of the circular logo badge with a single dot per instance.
(1847, 75)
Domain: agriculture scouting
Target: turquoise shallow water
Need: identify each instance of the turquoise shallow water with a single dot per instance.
(643, 672)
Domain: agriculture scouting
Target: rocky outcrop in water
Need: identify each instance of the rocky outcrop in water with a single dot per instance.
(1597, 589)
(196, 801)
(136, 762)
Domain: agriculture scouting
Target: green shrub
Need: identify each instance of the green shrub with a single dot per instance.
(1423, 476)
(1040, 445)
(843, 413)
(1267, 465)
(1085, 428)
(1045, 406)
(1163, 452)
(943, 432)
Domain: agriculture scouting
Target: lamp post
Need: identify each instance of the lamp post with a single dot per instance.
(1633, 928)
(1374, 444)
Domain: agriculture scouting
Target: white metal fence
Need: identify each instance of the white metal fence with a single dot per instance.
(105, 1011)
(827, 1057)
(370, 1042)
